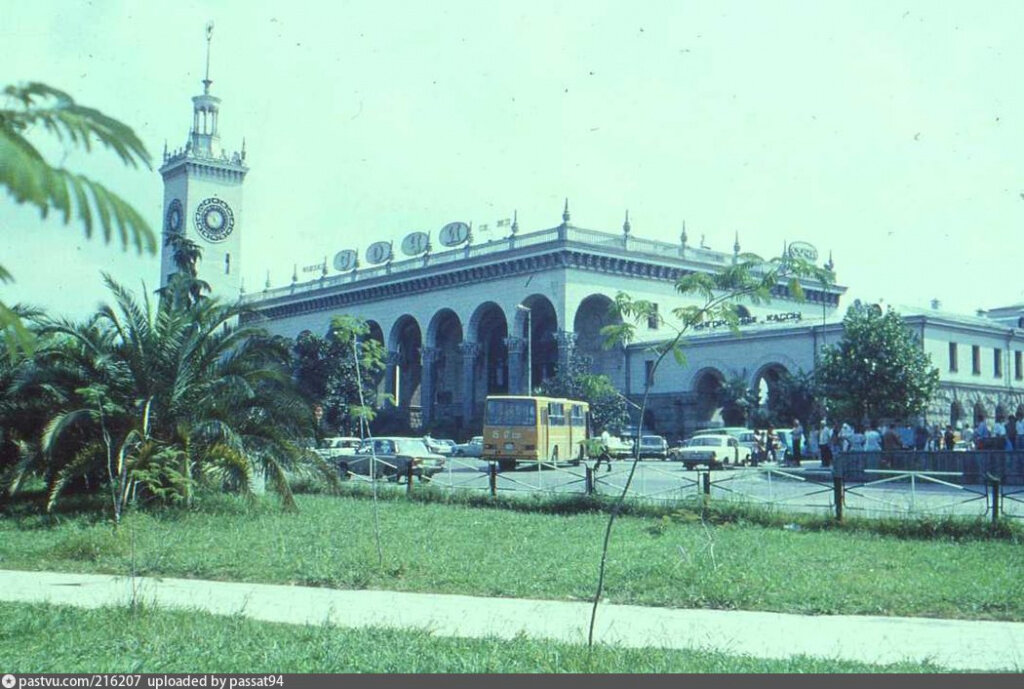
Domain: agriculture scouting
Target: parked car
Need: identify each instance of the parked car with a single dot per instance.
(474, 448)
(393, 459)
(440, 446)
(338, 447)
(741, 433)
(620, 448)
(713, 451)
(653, 446)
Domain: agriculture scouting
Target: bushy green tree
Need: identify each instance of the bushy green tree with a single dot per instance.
(326, 373)
(877, 370)
(577, 381)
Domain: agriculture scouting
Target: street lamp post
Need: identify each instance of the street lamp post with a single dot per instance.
(529, 348)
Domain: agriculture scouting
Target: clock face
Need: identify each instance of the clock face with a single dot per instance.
(174, 214)
(214, 219)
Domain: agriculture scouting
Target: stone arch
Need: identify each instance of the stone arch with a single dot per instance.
(707, 386)
(1020, 411)
(376, 333)
(488, 330)
(543, 319)
(765, 381)
(979, 414)
(406, 342)
(444, 338)
(956, 413)
(593, 314)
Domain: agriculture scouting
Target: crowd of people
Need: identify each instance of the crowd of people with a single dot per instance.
(825, 440)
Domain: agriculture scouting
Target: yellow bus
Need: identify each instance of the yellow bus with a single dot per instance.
(547, 429)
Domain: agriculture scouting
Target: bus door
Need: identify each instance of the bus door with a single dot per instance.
(543, 435)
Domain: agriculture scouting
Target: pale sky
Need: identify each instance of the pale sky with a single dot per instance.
(888, 133)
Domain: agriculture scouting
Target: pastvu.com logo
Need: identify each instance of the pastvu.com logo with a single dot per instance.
(8, 681)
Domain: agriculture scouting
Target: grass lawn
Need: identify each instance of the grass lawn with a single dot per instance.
(455, 548)
(43, 638)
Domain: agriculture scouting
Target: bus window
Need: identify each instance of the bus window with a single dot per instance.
(577, 420)
(501, 412)
(556, 413)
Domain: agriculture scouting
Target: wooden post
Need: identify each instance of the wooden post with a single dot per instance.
(995, 499)
(837, 494)
(492, 478)
(408, 479)
(590, 481)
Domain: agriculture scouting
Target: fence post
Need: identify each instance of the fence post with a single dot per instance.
(705, 478)
(837, 493)
(408, 479)
(995, 498)
(590, 480)
(492, 478)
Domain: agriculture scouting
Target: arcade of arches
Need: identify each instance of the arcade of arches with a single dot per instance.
(440, 372)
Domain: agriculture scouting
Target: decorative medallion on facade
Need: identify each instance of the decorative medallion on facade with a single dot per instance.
(214, 220)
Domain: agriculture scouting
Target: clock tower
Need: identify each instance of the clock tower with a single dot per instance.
(203, 197)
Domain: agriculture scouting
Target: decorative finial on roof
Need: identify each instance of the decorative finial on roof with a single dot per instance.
(241, 287)
(243, 148)
(736, 245)
(323, 268)
(565, 213)
(682, 235)
(295, 273)
(515, 222)
(266, 286)
(209, 37)
(702, 244)
(830, 266)
(626, 226)
(165, 149)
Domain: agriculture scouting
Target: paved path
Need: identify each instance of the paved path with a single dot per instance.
(954, 644)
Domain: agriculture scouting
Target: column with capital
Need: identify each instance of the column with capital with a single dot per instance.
(566, 341)
(470, 351)
(390, 369)
(429, 357)
(516, 351)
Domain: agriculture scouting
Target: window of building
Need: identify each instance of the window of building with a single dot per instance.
(1018, 366)
(652, 319)
(952, 357)
(649, 373)
(997, 363)
(976, 360)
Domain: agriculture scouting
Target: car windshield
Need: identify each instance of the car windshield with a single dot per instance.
(412, 447)
(705, 441)
(650, 440)
(511, 412)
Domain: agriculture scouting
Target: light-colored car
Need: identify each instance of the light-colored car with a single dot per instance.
(714, 451)
(619, 448)
(440, 446)
(474, 448)
(741, 433)
(391, 457)
(338, 447)
(653, 446)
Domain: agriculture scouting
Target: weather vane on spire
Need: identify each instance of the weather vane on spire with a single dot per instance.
(209, 37)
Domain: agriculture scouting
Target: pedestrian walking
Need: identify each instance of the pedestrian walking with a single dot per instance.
(798, 434)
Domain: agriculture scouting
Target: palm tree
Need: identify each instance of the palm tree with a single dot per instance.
(156, 399)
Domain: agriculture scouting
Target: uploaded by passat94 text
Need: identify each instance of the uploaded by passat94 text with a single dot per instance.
(205, 681)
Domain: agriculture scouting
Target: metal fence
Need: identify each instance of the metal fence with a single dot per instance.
(869, 484)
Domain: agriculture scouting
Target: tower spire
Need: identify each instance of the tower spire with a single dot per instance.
(209, 38)
(626, 227)
(565, 213)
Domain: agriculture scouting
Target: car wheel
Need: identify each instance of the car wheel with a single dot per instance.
(343, 470)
